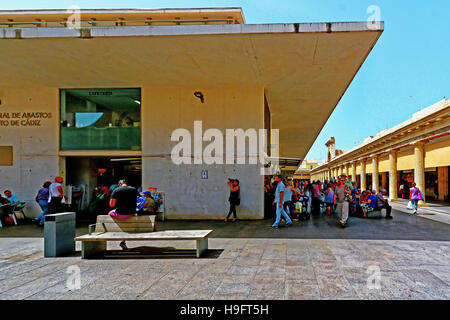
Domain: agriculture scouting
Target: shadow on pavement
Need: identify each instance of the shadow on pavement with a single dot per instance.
(145, 252)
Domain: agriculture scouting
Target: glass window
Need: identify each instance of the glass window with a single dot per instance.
(101, 119)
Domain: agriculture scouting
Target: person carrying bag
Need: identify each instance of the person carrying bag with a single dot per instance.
(415, 196)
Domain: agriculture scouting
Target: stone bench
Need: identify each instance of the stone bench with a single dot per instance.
(137, 228)
(377, 214)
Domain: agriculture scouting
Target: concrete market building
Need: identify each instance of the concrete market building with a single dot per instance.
(99, 102)
(417, 150)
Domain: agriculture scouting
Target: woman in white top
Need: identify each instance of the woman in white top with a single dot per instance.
(56, 195)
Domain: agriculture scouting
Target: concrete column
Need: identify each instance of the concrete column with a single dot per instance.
(346, 169)
(363, 175)
(375, 182)
(419, 167)
(393, 175)
(354, 171)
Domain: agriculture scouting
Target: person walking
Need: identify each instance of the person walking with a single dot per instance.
(56, 196)
(316, 193)
(289, 193)
(415, 197)
(42, 199)
(234, 198)
(343, 196)
(279, 194)
(329, 200)
(406, 190)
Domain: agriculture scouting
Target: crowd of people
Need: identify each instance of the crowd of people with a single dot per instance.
(296, 200)
(285, 198)
(116, 200)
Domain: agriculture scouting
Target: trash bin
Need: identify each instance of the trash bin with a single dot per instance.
(59, 234)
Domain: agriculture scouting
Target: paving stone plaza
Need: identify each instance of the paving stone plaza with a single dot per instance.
(246, 260)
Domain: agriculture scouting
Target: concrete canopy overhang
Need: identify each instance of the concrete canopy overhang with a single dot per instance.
(49, 16)
(304, 68)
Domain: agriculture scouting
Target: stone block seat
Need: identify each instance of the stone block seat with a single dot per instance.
(376, 214)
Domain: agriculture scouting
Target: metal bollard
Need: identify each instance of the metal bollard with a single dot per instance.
(59, 234)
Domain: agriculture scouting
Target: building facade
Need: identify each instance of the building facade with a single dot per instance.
(303, 172)
(417, 150)
(100, 101)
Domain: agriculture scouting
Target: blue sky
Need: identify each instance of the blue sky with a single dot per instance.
(408, 70)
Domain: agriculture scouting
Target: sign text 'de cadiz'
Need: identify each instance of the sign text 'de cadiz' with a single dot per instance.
(23, 119)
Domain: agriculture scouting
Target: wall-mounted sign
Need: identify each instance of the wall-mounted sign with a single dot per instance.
(6, 155)
(100, 93)
(204, 174)
(23, 119)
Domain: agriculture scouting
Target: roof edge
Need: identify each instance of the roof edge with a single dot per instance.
(177, 30)
(120, 10)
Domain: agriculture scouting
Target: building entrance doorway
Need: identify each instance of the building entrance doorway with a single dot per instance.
(87, 177)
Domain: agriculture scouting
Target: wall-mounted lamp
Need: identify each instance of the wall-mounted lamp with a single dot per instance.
(199, 95)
